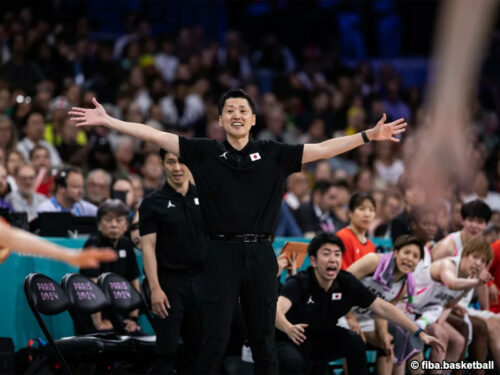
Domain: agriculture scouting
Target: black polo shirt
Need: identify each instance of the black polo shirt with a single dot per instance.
(176, 220)
(125, 265)
(241, 190)
(320, 309)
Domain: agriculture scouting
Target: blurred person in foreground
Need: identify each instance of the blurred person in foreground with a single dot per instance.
(391, 207)
(20, 241)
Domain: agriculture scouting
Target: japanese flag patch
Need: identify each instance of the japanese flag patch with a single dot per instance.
(255, 156)
(336, 296)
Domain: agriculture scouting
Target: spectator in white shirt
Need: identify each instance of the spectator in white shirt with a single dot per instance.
(25, 199)
(98, 186)
(182, 109)
(68, 195)
(34, 130)
(482, 192)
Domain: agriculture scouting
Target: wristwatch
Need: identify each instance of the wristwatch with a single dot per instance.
(418, 331)
(365, 137)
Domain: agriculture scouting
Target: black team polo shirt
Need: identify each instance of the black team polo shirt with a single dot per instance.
(321, 309)
(126, 264)
(176, 220)
(241, 191)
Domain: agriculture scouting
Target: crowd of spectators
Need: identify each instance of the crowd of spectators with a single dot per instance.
(172, 82)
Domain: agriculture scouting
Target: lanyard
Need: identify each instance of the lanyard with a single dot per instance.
(75, 208)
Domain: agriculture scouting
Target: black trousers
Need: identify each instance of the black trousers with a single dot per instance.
(246, 270)
(184, 320)
(318, 350)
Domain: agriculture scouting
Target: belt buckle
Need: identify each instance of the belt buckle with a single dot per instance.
(250, 238)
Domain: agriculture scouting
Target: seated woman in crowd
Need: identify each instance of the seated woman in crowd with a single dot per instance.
(354, 236)
(14, 159)
(389, 276)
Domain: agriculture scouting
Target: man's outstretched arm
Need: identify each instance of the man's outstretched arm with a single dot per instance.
(336, 146)
(98, 116)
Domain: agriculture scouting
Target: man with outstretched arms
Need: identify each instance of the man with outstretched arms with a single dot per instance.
(240, 183)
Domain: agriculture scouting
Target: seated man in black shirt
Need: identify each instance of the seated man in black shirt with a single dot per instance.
(312, 301)
(112, 224)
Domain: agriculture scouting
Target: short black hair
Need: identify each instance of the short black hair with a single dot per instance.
(320, 239)
(163, 154)
(235, 93)
(322, 186)
(341, 184)
(34, 111)
(114, 206)
(62, 174)
(357, 200)
(408, 239)
(476, 208)
(36, 148)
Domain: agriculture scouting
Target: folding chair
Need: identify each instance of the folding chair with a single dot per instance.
(124, 298)
(46, 297)
(86, 299)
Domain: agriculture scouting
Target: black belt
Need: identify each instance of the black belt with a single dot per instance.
(249, 237)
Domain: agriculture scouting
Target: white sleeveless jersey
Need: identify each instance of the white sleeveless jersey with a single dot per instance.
(459, 246)
(435, 293)
(380, 291)
(466, 300)
(421, 273)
